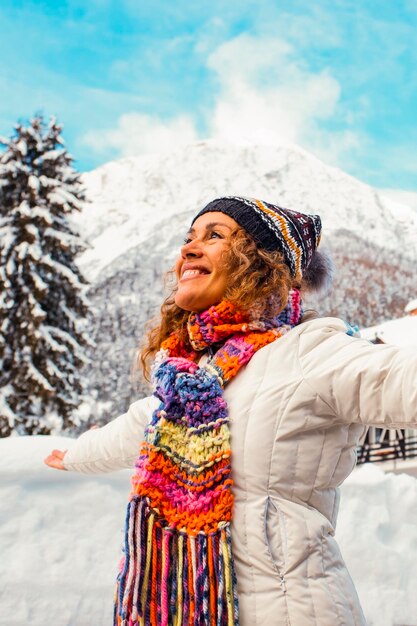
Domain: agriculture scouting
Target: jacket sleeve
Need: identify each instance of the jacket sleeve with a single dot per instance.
(113, 447)
(360, 382)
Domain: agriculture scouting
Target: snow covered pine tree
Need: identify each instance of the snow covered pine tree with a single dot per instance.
(43, 303)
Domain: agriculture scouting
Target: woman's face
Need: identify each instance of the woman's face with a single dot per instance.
(201, 274)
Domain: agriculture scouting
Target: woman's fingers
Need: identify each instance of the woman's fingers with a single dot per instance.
(59, 453)
(55, 459)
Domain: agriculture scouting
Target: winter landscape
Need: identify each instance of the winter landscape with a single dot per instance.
(61, 533)
(118, 121)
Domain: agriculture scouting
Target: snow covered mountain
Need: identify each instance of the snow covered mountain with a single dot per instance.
(404, 199)
(132, 196)
(140, 210)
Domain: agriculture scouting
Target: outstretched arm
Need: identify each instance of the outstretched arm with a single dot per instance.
(375, 385)
(113, 447)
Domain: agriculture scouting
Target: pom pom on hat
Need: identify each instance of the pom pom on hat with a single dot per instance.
(318, 276)
(272, 227)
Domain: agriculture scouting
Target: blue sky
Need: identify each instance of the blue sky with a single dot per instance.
(136, 76)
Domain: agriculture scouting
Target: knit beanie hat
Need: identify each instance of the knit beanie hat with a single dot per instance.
(272, 227)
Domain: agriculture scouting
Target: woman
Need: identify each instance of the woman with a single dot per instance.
(237, 367)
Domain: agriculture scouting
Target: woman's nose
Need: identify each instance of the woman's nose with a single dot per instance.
(191, 249)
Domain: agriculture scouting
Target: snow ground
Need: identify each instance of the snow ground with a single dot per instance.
(60, 538)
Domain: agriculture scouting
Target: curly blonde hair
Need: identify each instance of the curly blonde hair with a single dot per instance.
(260, 282)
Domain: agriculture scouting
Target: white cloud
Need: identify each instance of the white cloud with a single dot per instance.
(137, 133)
(265, 95)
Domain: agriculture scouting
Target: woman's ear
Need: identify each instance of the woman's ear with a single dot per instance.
(319, 274)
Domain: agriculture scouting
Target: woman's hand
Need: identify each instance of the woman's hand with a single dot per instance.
(55, 459)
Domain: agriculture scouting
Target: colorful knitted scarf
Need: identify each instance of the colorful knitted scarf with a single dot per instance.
(178, 566)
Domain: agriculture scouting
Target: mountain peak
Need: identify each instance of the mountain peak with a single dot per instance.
(131, 195)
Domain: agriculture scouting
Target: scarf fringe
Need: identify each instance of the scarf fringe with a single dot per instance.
(169, 578)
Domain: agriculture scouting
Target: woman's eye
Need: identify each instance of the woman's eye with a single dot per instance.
(211, 235)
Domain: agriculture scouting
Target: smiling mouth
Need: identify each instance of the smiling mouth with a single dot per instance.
(193, 273)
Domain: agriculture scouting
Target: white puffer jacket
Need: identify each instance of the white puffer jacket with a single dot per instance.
(297, 412)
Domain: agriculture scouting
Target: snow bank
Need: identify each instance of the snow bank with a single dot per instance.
(60, 538)
(377, 533)
(61, 534)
